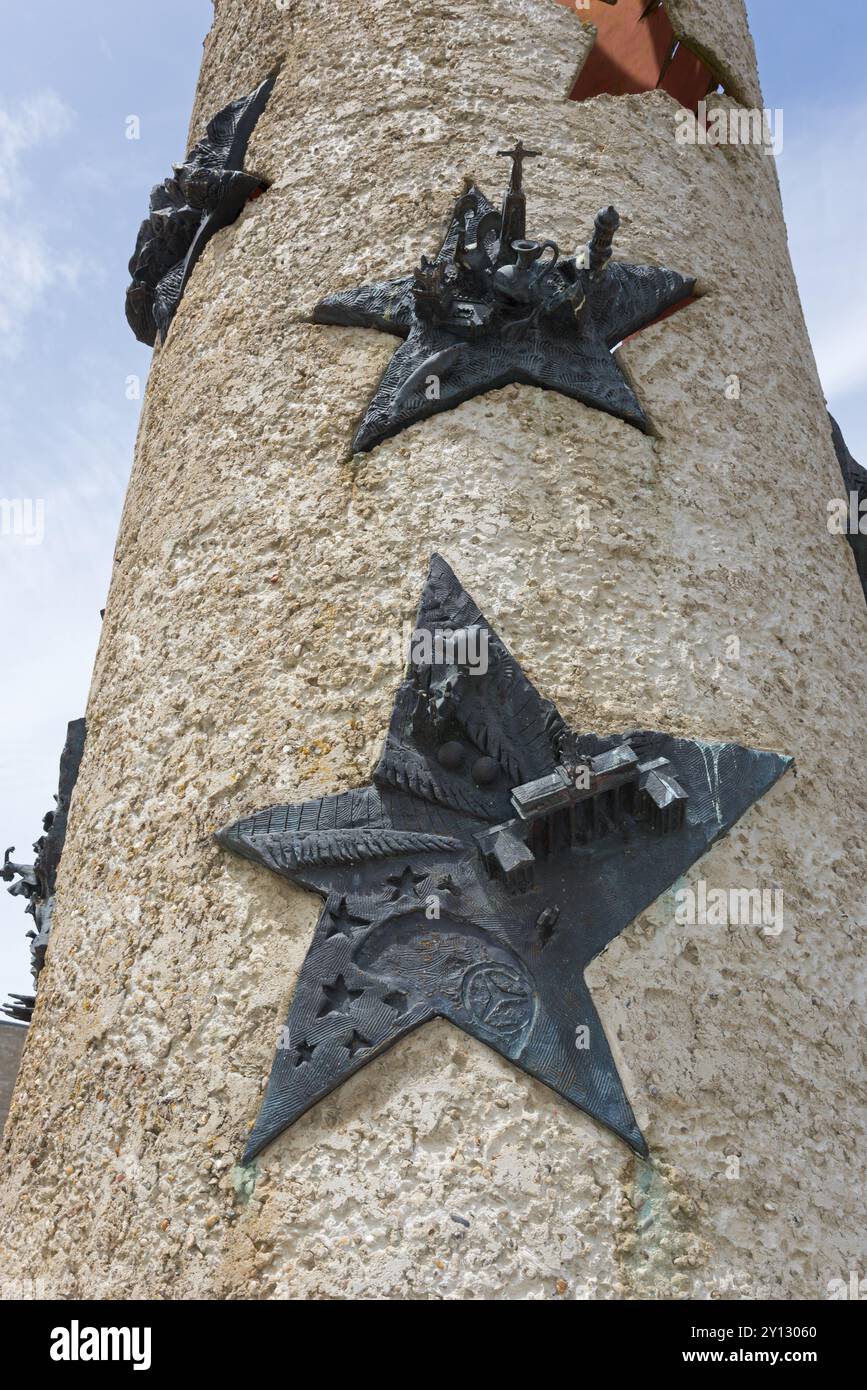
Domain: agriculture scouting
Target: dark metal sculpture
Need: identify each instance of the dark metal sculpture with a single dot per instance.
(494, 307)
(494, 855)
(36, 881)
(205, 194)
(855, 484)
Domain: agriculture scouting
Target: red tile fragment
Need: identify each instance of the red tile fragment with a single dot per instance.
(636, 51)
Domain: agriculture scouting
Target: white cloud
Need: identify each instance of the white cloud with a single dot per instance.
(40, 118)
(30, 265)
(27, 273)
(51, 595)
(825, 201)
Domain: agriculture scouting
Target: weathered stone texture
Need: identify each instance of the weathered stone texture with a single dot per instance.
(247, 658)
(719, 33)
(12, 1037)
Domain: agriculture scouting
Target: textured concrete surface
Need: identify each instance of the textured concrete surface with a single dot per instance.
(719, 33)
(12, 1037)
(247, 657)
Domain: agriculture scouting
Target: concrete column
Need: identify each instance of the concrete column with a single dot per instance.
(247, 658)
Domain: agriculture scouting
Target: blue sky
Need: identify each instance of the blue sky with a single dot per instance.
(73, 190)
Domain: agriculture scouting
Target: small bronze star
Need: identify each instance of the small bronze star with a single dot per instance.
(341, 921)
(536, 870)
(337, 997)
(494, 307)
(403, 885)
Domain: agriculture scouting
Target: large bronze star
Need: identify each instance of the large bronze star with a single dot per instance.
(494, 308)
(493, 856)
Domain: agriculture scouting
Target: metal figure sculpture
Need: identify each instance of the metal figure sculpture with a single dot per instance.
(205, 194)
(495, 307)
(36, 882)
(855, 504)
